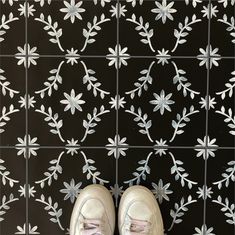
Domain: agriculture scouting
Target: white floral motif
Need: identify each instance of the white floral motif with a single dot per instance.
(204, 231)
(72, 56)
(117, 141)
(161, 191)
(22, 230)
(204, 57)
(162, 102)
(73, 102)
(71, 190)
(117, 102)
(164, 10)
(116, 8)
(206, 153)
(72, 10)
(30, 9)
(22, 146)
(32, 55)
(118, 51)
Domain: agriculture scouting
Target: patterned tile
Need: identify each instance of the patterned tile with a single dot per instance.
(220, 181)
(12, 102)
(12, 23)
(72, 101)
(164, 172)
(221, 113)
(72, 27)
(223, 27)
(12, 191)
(149, 23)
(161, 101)
(58, 181)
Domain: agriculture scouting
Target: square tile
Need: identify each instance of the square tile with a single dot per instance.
(221, 113)
(12, 23)
(73, 102)
(161, 101)
(220, 181)
(223, 27)
(12, 102)
(163, 27)
(73, 27)
(58, 181)
(165, 171)
(12, 192)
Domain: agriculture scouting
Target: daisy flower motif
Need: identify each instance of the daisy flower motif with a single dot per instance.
(114, 10)
(163, 56)
(72, 56)
(21, 146)
(30, 11)
(204, 231)
(206, 11)
(161, 191)
(71, 190)
(162, 102)
(117, 102)
(206, 53)
(204, 102)
(32, 55)
(160, 144)
(72, 10)
(72, 102)
(164, 11)
(204, 192)
(118, 51)
(203, 152)
(117, 141)
(31, 102)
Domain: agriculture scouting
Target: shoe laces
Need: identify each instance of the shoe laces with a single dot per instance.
(92, 227)
(138, 227)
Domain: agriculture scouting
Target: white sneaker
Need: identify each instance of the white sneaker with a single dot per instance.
(93, 212)
(139, 213)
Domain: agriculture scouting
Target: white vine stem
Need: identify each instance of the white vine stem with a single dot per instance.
(142, 172)
(144, 122)
(9, 89)
(8, 113)
(181, 31)
(54, 171)
(183, 117)
(147, 75)
(226, 178)
(226, 90)
(58, 130)
(51, 27)
(54, 210)
(52, 84)
(90, 172)
(148, 38)
(8, 178)
(7, 202)
(87, 74)
(226, 115)
(90, 30)
(186, 88)
(87, 128)
(178, 172)
(8, 21)
(187, 203)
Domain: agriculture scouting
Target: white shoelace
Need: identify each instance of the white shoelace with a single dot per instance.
(92, 227)
(138, 227)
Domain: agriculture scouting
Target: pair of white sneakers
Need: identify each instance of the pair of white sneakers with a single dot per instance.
(94, 212)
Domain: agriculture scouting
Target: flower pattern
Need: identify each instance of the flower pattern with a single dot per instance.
(92, 93)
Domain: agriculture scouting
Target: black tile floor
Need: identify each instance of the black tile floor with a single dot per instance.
(117, 92)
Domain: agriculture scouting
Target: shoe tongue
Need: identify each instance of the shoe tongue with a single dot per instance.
(140, 211)
(93, 209)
